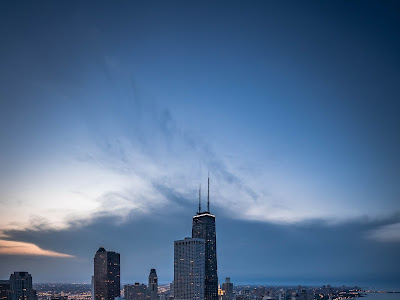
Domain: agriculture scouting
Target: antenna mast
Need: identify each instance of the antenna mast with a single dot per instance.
(200, 198)
(208, 193)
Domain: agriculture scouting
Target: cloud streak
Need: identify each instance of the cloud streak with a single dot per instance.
(23, 248)
(386, 233)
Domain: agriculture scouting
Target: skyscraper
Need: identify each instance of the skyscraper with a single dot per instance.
(106, 275)
(152, 287)
(204, 228)
(189, 269)
(21, 287)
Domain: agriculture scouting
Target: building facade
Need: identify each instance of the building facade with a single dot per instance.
(21, 287)
(204, 228)
(189, 268)
(92, 288)
(4, 288)
(106, 275)
(135, 291)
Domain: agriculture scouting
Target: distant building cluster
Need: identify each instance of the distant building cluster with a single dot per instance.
(139, 291)
(228, 292)
(106, 281)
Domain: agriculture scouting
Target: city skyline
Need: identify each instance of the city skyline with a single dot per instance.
(111, 114)
(200, 228)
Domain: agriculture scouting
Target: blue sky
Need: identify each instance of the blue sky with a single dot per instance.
(112, 114)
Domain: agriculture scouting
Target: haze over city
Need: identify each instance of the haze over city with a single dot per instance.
(113, 113)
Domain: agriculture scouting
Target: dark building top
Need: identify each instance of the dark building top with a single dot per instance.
(204, 228)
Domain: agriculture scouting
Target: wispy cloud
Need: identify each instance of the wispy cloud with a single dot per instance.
(386, 233)
(22, 248)
(120, 154)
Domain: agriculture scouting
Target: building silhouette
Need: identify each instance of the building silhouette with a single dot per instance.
(92, 288)
(152, 288)
(135, 291)
(21, 287)
(106, 275)
(227, 287)
(171, 289)
(204, 228)
(4, 288)
(189, 268)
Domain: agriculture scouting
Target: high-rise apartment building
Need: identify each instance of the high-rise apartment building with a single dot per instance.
(204, 228)
(21, 287)
(189, 268)
(152, 288)
(135, 291)
(106, 275)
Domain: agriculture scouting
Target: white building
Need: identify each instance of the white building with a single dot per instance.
(189, 267)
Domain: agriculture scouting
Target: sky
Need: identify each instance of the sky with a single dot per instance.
(112, 114)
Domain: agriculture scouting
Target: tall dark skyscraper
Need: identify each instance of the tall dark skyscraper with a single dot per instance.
(204, 228)
(106, 275)
(21, 287)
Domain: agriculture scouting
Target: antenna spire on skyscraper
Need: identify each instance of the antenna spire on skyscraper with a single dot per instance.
(200, 198)
(208, 193)
(204, 228)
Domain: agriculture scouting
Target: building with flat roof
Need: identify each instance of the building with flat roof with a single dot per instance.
(135, 291)
(189, 268)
